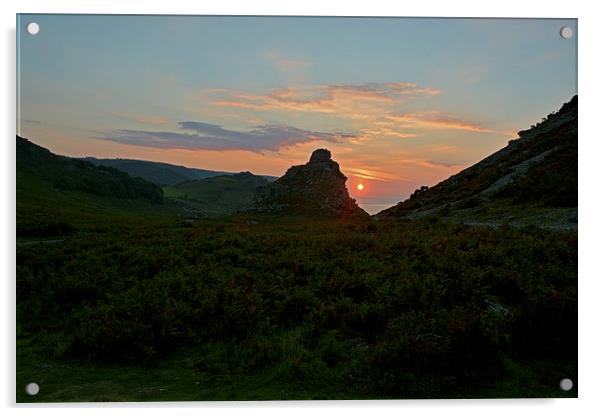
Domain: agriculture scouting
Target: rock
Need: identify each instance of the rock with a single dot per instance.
(320, 155)
(316, 189)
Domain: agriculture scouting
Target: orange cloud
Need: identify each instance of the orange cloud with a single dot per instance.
(443, 148)
(384, 132)
(372, 109)
(371, 174)
(354, 101)
(284, 99)
(435, 120)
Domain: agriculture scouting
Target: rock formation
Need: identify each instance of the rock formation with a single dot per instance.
(314, 189)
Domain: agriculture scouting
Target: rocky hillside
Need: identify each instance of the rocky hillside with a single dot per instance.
(531, 180)
(316, 189)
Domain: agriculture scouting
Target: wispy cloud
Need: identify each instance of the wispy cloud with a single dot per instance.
(293, 69)
(435, 120)
(206, 136)
(345, 100)
(368, 113)
(374, 109)
(141, 118)
(371, 174)
(383, 131)
(442, 163)
(287, 64)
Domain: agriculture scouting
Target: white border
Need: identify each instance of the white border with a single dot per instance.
(589, 203)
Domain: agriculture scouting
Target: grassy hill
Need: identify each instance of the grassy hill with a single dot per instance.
(532, 180)
(57, 194)
(163, 174)
(216, 196)
(76, 175)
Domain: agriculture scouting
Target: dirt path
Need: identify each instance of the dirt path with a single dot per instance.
(31, 243)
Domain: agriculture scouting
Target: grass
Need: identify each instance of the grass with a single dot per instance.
(39, 204)
(176, 379)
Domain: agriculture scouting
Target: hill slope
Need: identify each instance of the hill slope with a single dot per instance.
(56, 193)
(532, 180)
(162, 174)
(217, 195)
(77, 175)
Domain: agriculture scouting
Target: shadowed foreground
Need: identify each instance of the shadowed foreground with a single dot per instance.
(267, 309)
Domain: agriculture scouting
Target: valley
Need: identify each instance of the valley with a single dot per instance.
(242, 287)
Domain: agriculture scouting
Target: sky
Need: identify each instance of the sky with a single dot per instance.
(400, 102)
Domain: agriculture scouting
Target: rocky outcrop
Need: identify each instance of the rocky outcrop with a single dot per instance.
(315, 189)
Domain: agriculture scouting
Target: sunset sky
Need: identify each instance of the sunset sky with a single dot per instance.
(399, 102)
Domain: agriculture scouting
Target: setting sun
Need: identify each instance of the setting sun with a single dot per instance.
(360, 187)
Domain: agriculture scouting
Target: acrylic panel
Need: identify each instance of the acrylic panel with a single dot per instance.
(295, 208)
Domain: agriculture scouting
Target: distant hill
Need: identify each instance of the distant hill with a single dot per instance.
(217, 195)
(316, 189)
(531, 180)
(163, 174)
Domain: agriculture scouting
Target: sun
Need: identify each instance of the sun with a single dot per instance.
(360, 186)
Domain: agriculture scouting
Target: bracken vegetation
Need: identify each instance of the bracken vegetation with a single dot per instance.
(345, 309)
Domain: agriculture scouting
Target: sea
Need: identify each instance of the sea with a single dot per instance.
(375, 205)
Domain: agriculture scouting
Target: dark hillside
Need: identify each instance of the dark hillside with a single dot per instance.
(537, 172)
(58, 195)
(69, 174)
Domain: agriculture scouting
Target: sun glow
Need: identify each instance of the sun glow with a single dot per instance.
(360, 186)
